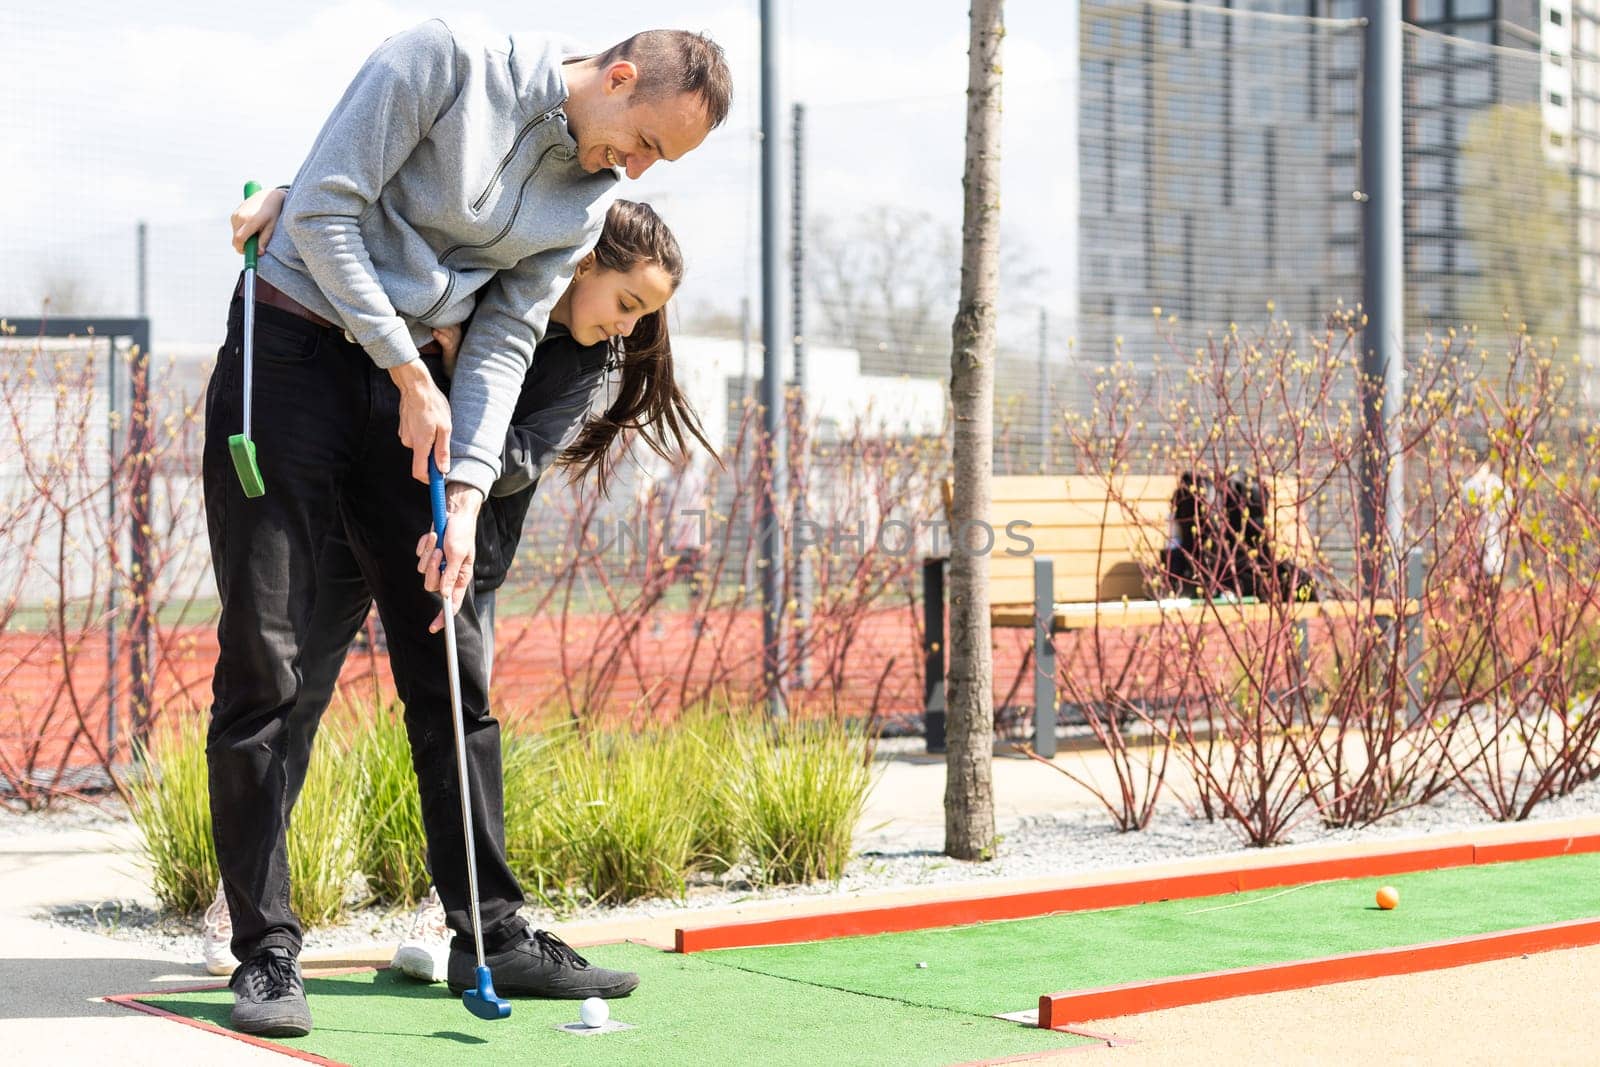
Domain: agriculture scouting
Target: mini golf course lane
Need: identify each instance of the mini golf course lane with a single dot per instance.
(686, 1011)
(997, 967)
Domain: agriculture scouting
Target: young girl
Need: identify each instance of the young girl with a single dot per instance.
(604, 321)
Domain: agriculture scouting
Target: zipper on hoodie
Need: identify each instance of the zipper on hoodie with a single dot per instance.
(438, 305)
(522, 193)
(494, 179)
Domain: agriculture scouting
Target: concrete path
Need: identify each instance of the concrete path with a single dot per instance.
(50, 978)
(1507, 1012)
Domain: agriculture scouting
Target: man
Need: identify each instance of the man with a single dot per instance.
(454, 174)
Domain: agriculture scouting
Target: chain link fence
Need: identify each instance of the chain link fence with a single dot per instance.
(1187, 167)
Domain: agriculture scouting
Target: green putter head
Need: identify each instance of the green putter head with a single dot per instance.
(243, 451)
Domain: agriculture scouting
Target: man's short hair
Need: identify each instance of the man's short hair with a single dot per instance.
(676, 61)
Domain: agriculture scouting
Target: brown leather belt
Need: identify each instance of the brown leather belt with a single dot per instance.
(268, 295)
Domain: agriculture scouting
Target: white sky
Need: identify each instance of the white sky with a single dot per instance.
(115, 112)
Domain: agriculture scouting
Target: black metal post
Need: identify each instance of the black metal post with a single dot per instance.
(1044, 657)
(113, 540)
(933, 645)
(801, 419)
(769, 513)
(1383, 288)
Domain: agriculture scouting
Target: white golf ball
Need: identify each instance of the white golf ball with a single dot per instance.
(594, 1012)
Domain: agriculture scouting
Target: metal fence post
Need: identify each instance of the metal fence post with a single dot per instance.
(1383, 288)
(1044, 658)
(933, 645)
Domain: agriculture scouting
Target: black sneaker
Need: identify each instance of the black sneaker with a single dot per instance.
(541, 966)
(269, 996)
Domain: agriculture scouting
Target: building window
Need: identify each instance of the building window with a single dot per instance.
(1344, 95)
(1126, 197)
(1132, 32)
(1556, 140)
(1347, 219)
(1474, 85)
(1429, 214)
(1555, 17)
(1428, 256)
(1346, 53)
(1433, 131)
(1430, 172)
(1428, 89)
(1429, 10)
(1558, 100)
(1473, 9)
(1261, 102)
(1169, 229)
(1170, 28)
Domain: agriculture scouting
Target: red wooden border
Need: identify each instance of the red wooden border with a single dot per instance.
(949, 912)
(889, 920)
(131, 1000)
(1422, 859)
(1535, 850)
(1060, 1010)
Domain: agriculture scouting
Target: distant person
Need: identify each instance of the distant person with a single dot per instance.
(1488, 503)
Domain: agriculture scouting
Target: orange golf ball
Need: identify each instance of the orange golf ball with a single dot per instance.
(1388, 898)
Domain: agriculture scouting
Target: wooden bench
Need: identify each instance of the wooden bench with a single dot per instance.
(1091, 550)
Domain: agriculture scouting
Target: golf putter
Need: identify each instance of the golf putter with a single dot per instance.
(240, 446)
(482, 1001)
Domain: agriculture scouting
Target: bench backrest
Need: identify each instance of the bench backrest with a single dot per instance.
(1101, 542)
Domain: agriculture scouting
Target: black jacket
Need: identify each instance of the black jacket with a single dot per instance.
(555, 397)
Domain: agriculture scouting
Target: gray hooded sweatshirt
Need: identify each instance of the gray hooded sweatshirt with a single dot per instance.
(445, 176)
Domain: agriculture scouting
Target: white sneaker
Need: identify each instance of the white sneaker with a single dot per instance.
(218, 933)
(425, 953)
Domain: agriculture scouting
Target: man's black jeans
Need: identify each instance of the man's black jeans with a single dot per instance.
(325, 425)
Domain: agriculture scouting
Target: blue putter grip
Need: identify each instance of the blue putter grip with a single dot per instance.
(436, 494)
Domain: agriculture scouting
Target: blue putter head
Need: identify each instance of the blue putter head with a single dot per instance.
(483, 1002)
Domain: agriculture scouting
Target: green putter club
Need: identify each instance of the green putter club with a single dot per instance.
(240, 446)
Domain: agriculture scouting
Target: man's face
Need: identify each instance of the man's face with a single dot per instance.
(633, 136)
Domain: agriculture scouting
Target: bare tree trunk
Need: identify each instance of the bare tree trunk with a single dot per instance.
(969, 783)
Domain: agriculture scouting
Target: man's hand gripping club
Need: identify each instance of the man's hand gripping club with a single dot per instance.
(460, 540)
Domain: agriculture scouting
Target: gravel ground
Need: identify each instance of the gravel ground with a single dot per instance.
(63, 818)
(1029, 847)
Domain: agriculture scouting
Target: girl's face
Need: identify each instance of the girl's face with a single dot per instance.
(604, 303)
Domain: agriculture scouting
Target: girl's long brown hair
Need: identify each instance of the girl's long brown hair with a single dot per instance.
(648, 399)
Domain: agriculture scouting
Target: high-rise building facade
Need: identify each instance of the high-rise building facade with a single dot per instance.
(1220, 168)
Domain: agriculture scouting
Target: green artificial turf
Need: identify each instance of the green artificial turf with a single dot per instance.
(1005, 966)
(686, 1011)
